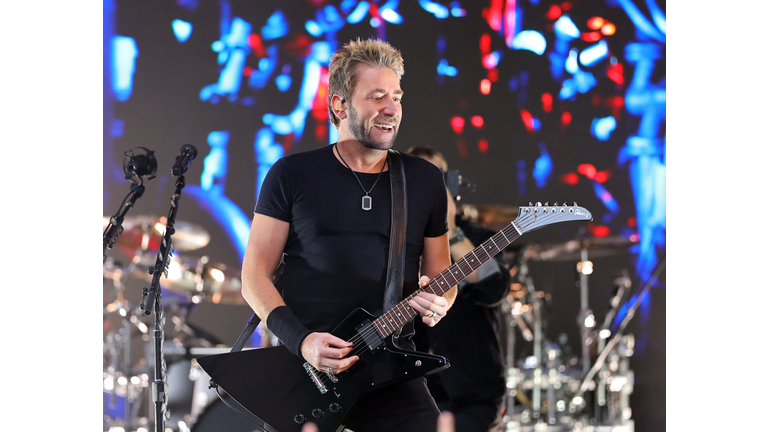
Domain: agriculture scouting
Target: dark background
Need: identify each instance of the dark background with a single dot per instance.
(164, 112)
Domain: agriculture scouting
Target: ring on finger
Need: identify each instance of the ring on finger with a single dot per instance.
(432, 314)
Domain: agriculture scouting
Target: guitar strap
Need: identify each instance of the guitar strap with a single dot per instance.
(394, 287)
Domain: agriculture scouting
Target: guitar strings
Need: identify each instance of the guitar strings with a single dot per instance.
(370, 328)
(523, 224)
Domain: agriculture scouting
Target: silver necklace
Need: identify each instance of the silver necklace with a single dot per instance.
(367, 200)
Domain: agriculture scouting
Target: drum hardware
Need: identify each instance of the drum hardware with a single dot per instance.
(615, 375)
(201, 280)
(549, 387)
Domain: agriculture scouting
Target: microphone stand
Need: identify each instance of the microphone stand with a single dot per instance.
(151, 302)
(115, 227)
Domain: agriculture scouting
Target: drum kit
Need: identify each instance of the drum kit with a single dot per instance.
(127, 345)
(552, 389)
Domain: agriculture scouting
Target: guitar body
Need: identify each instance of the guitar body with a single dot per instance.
(273, 384)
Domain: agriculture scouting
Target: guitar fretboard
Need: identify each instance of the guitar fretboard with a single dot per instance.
(400, 314)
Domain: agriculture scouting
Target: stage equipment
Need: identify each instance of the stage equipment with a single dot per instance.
(204, 281)
(145, 232)
(152, 295)
(136, 168)
(552, 390)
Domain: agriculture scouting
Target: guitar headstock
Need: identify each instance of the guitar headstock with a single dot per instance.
(535, 216)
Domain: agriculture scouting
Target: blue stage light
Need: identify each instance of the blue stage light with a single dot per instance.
(182, 30)
(530, 40)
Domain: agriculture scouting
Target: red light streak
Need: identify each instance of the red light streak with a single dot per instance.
(510, 21)
(588, 170)
(570, 178)
(598, 230)
(254, 41)
(485, 86)
(493, 14)
(457, 123)
(565, 119)
(554, 12)
(591, 36)
(477, 121)
(615, 73)
(527, 119)
(482, 145)
(602, 176)
(546, 102)
(485, 44)
(595, 23)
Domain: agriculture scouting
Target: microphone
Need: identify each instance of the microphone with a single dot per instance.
(136, 166)
(188, 152)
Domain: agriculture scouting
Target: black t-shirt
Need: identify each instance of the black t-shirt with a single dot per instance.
(336, 254)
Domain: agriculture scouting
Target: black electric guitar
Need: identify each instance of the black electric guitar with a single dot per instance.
(284, 392)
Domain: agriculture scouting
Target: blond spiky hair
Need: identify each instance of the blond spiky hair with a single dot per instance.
(372, 52)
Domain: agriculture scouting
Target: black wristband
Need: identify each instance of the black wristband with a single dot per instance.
(291, 332)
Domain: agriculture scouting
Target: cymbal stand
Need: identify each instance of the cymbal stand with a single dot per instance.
(586, 318)
(537, 335)
(622, 284)
(151, 303)
(115, 226)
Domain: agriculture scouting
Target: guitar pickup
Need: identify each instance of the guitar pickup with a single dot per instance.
(369, 335)
(315, 378)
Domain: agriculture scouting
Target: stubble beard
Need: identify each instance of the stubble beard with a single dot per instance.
(363, 135)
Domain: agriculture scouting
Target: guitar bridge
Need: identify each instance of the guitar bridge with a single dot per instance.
(315, 378)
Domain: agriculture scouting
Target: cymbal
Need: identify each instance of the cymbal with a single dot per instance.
(202, 280)
(146, 232)
(571, 250)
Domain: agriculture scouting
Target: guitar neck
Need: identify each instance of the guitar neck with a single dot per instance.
(396, 317)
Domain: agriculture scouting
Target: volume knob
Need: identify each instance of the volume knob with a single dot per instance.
(300, 419)
(334, 407)
(317, 413)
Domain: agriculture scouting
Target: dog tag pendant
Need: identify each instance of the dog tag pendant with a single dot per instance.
(367, 203)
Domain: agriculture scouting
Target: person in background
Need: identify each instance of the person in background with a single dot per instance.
(471, 337)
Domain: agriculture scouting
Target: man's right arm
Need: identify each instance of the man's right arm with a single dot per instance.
(266, 243)
(262, 256)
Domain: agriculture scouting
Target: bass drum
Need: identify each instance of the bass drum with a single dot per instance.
(219, 417)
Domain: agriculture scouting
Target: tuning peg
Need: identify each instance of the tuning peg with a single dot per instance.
(530, 204)
(555, 203)
(574, 204)
(538, 204)
(546, 204)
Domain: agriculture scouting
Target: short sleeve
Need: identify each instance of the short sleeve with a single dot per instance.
(276, 195)
(438, 222)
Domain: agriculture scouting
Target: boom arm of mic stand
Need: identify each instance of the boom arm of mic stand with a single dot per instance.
(115, 227)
